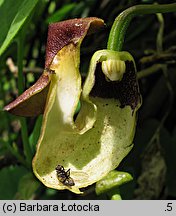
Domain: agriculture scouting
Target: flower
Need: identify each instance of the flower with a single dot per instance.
(86, 145)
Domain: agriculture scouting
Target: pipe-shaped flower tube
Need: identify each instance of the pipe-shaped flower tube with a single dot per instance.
(75, 151)
(105, 125)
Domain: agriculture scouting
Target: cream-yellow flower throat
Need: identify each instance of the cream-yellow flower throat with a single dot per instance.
(75, 151)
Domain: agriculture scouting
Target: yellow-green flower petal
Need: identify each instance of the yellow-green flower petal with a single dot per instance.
(102, 134)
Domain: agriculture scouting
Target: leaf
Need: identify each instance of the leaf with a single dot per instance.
(113, 180)
(27, 187)
(13, 16)
(62, 13)
(9, 181)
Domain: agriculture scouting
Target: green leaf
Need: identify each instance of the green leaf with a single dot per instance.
(27, 187)
(112, 180)
(61, 13)
(13, 16)
(9, 180)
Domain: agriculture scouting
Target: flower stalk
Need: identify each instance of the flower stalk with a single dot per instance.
(121, 23)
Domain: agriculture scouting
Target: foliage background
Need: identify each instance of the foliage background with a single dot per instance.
(152, 162)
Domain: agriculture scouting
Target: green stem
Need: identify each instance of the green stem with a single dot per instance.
(150, 70)
(121, 23)
(24, 130)
(159, 40)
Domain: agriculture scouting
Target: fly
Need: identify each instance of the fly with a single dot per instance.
(64, 176)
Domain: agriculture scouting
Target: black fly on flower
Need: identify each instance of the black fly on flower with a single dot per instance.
(64, 176)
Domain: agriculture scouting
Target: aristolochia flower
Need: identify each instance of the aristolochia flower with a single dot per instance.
(78, 149)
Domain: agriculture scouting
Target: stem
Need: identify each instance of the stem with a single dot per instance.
(24, 130)
(159, 40)
(121, 23)
(150, 70)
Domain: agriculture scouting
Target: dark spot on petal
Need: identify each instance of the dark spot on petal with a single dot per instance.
(126, 90)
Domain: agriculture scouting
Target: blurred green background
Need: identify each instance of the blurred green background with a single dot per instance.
(151, 39)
